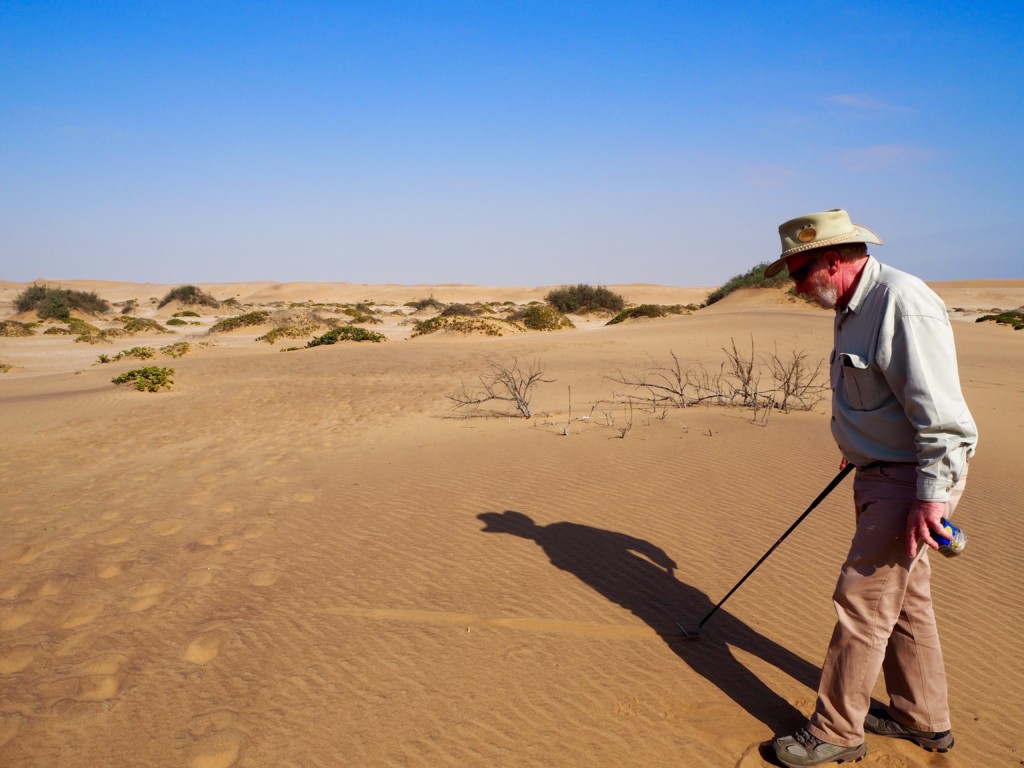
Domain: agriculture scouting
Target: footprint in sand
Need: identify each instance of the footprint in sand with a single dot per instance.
(112, 570)
(9, 726)
(266, 577)
(232, 545)
(11, 591)
(55, 585)
(146, 595)
(220, 751)
(305, 497)
(113, 538)
(17, 658)
(254, 531)
(81, 614)
(199, 577)
(22, 554)
(205, 647)
(226, 508)
(17, 615)
(167, 527)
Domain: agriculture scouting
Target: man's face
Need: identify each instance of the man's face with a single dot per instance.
(811, 275)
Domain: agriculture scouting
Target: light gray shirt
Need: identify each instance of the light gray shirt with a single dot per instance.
(895, 386)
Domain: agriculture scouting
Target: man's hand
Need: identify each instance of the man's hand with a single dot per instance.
(924, 517)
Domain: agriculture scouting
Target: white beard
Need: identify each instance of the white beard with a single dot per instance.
(822, 290)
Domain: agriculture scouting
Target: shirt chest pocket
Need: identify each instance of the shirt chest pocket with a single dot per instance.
(864, 388)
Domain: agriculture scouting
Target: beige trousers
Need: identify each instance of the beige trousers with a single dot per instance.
(886, 622)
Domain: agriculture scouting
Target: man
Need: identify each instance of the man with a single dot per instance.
(899, 416)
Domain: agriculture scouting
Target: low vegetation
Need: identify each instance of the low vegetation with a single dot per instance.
(541, 317)
(12, 328)
(1013, 318)
(420, 304)
(132, 325)
(583, 299)
(189, 295)
(148, 379)
(177, 349)
(643, 310)
(346, 333)
(488, 326)
(58, 303)
(5, 367)
(135, 353)
(259, 317)
(753, 279)
(762, 382)
(502, 382)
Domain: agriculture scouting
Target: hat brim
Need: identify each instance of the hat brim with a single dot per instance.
(862, 235)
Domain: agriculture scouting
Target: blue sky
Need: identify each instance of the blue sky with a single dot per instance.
(526, 143)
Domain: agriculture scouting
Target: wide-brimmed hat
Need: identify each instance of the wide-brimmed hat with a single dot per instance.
(817, 230)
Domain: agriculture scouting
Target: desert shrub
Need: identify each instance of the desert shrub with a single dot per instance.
(135, 353)
(148, 379)
(1013, 318)
(12, 328)
(186, 313)
(643, 310)
(541, 317)
(177, 349)
(129, 306)
(489, 326)
(294, 323)
(259, 317)
(58, 303)
(360, 313)
(177, 321)
(581, 299)
(5, 367)
(188, 294)
(346, 333)
(752, 279)
(131, 325)
(419, 304)
(458, 310)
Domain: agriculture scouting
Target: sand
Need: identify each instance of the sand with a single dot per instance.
(310, 559)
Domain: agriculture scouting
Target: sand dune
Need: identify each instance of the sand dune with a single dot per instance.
(310, 559)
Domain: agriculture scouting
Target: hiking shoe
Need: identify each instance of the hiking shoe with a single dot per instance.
(878, 721)
(803, 749)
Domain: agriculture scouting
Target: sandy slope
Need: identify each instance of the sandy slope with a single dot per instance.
(308, 559)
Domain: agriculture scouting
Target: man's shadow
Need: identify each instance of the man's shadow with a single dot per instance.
(641, 578)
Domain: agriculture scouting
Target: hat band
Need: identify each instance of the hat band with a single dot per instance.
(819, 244)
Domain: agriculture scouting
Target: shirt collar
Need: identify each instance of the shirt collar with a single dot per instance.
(868, 277)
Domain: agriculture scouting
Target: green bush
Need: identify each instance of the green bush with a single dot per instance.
(458, 310)
(424, 303)
(259, 317)
(177, 349)
(11, 328)
(346, 333)
(753, 279)
(58, 303)
(148, 379)
(643, 310)
(541, 317)
(1013, 318)
(186, 313)
(581, 299)
(489, 326)
(140, 325)
(188, 294)
(136, 353)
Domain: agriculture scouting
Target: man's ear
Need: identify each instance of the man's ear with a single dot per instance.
(833, 260)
